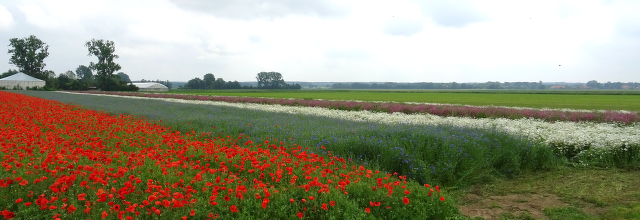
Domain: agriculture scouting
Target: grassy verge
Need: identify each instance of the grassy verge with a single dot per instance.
(591, 100)
(565, 193)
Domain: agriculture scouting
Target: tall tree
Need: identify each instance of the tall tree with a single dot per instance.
(209, 80)
(83, 72)
(270, 80)
(105, 67)
(28, 55)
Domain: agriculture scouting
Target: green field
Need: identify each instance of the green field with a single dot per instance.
(595, 99)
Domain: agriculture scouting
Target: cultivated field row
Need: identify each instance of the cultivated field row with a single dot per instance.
(573, 137)
(550, 115)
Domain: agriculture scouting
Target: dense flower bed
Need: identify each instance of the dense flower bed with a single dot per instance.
(566, 136)
(411, 108)
(61, 161)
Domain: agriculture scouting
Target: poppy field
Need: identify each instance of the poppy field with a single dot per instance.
(447, 154)
(62, 161)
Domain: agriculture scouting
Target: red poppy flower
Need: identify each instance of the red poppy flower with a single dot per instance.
(234, 208)
(81, 197)
(442, 198)
(71, 209)
(332, 203)
(406, 192)
(19, 200)
(7, 214)
(367, 210)
(405, 200)
(324, 206)
(300, 214)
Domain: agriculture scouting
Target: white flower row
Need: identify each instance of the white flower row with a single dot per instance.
(477, 106)
(568, 134)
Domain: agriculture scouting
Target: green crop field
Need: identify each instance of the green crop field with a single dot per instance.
(599, 100)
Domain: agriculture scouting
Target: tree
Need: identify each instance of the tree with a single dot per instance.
(71, 75)
(105, 67)
(209, 80)
(84, 73)
(233, 85)
(124, 77)
(28, 55)
(493, 85)
(64, 81)
(593, 84)
(195, 83)
(219, 84)
(270, 80)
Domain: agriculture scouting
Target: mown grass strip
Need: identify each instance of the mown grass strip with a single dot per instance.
(591, 100)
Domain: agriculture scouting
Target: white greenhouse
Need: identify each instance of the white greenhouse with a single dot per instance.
(151, 87)
(22, 81)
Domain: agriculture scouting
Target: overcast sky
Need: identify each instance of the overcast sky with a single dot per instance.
(341, 40)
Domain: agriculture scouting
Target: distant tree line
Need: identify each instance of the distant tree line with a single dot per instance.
(593, 84)
(209, 81)
(266, 80)
(431, 85)
(486, 85)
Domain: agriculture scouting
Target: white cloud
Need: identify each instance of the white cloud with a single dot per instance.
(260, 9)
(6, 18)
(362, 40)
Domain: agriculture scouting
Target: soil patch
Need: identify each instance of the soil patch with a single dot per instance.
(492, 207)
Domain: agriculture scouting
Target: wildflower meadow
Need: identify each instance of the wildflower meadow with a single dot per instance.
(63, 161)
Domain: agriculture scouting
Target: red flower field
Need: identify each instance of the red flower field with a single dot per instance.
(62, 161)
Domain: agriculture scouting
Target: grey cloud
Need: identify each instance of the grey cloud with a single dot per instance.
(407, 27)
(252, 9)
(454, 14)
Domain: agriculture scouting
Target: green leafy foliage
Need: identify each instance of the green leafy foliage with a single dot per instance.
(28, 55)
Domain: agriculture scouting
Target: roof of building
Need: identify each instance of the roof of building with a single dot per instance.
(149, 85)
(21, 77)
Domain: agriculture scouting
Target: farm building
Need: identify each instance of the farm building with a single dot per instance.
(151, 87)
(21, 80)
